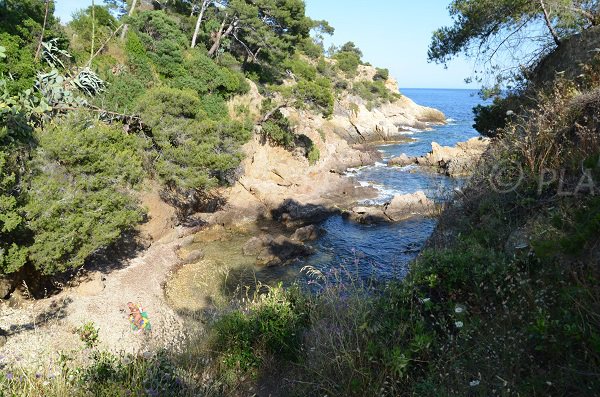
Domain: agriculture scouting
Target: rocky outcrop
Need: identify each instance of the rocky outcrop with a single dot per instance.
(387, 122)
(401, 207)
(406, 205)
(452, 161)
(275, 251)
(307, 233)
(271, 176)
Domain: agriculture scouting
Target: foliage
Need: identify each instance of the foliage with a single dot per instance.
(347, 62)
(317, 93)
(489, 29)
(13, 254)
(88, 333)
(77, 196)
(195, 154)
(91, 25)
(375, 93)
(18, 63)
(381, 75)
(89, 82)
(278, 131)
(313, 155)
(271, 326)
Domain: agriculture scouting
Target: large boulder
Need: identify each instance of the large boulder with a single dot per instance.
(368, 215)
(294, 213)
(406, 205)
(256, 244)
(402, 160)
(456, 161)
(307, 233)
(281, 251)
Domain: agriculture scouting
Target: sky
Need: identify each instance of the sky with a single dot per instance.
(392, 34)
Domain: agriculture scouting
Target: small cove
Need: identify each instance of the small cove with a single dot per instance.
(381, 251)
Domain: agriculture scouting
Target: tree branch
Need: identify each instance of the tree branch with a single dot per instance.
(549, 23)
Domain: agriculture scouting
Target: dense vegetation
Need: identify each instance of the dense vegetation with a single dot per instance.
(92, 110)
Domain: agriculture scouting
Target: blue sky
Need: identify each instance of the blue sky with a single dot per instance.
(393, 34)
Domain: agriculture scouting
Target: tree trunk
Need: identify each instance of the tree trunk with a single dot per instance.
(221, 34)
(126, 27)
(549, 23)
(205, 4)
(39, 47)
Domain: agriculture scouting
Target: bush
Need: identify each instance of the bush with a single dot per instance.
(381, 75)
(13, 254)
(278, 131)
(347, 62)
(375, 93)
(195, 154)
(317, 93)
(271, 326)
(313, 155)
(203, 75)
(77, 197)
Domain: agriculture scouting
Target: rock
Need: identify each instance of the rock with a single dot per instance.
(291, 213)
(517, 242)
(93, 286)
(368, 215)
(256, 244)
(459, 160)
(307, 233)
(192, 256)
(3, 337)
(402, 160)
(405, 205)
(6, 286)
(281, 250)
(188, 240)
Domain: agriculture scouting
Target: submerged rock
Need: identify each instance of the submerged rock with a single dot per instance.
(256, 244)
(368, 215)
(281, 250)
(307, 233)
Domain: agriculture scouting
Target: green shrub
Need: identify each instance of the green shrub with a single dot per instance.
(19, 64)
(278, 131)
(316, 93)
(272, 326)
(347, 62)
(203, 75)
(13, 254)
(381, 75)
(77, 196)
(162, 39)
(195, 154)
(375, 93)
(313, 155)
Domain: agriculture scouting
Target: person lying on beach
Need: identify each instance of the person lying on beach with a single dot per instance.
(138, 318)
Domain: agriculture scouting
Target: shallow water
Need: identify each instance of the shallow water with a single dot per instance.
(382, 251)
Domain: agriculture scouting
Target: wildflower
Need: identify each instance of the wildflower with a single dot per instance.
(9, 376)
(509, 112)
(458, 309)
(459, 324)
(46, 383)
(126, 361)
(474, 383)
(147, 354)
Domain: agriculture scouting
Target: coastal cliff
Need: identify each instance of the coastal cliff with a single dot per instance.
(270, 175)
